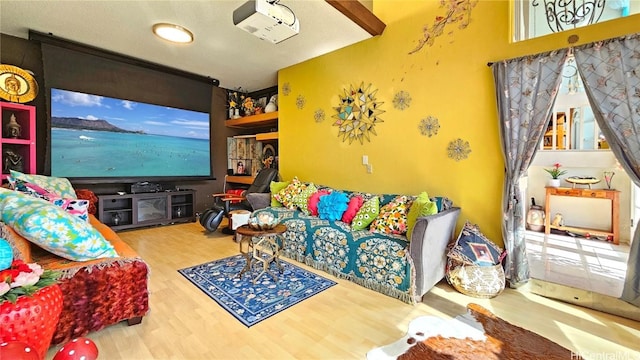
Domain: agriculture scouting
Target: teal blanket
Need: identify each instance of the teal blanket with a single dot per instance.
(379, 262)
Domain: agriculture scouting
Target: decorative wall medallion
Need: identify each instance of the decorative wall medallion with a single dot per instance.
(318, 115)
(286, 89)
(402, 100)
(300, 101)
(358, 113)
(17, 85)
(429, 126)
(458, 149)
(457, 12)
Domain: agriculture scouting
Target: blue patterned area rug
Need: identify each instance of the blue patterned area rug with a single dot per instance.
(251, 303)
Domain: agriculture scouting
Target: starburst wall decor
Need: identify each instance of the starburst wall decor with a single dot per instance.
(300, 101)
(402, 100)
(429, 126)
(286, 89)
(358, 114)
(458, 149)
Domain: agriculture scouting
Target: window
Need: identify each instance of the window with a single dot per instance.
(535, 18)
(572, 125)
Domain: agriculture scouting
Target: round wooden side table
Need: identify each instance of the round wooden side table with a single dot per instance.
(261, 246)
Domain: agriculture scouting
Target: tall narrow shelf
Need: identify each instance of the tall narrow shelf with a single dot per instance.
(18, 149)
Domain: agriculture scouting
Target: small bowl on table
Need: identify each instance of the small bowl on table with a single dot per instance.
(262, 221)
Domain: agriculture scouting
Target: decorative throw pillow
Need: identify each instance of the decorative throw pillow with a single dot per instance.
(75, 207)
(314, 199)
(367, 213)
(51, 228)
(332, 206)
(393, 217)
(442, 203)
(30, 189)
(473, 248)
(60, 186)
(287, 195)
(421, 206)
(302, 199)
(355, 203)
(275, 187)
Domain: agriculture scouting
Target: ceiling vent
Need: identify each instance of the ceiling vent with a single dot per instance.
(267, 19)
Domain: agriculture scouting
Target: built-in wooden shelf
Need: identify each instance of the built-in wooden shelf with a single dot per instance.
(261, 120)
(239, 179)
(267, 136)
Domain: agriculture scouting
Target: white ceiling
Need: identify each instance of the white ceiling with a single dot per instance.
(220, 50)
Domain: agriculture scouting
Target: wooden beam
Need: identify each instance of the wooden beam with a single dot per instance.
(360, 15)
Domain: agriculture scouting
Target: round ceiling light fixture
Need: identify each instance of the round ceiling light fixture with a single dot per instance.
(173, 33)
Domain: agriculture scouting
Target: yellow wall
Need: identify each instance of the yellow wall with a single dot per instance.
(449, 80)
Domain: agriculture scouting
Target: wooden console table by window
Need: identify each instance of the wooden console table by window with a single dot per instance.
(612, 195)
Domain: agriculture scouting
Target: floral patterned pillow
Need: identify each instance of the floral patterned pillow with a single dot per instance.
(287, 195)
(302, 199)
(275, 188)
(53, 229)
(60, 186)
(367, 213)
(393, 217)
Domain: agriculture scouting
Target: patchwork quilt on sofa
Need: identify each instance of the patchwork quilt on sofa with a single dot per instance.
(376, 261)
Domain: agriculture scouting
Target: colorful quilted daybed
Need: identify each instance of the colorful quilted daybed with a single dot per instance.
(386, 263)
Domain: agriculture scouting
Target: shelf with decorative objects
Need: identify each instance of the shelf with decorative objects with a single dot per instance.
(269, 119)
(18, 140)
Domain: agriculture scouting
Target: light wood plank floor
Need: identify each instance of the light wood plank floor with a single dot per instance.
(343, 322)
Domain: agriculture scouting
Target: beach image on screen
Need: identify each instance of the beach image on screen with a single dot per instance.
(95, 136)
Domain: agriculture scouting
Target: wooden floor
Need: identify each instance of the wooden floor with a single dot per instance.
(343, 322)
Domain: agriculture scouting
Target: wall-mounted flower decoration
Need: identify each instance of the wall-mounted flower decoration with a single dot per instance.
(402, 100)
(300, 101)
(458, 149)
(318, 115)
(429, 126)
(358, 113)
(286, 89)
(458, 11)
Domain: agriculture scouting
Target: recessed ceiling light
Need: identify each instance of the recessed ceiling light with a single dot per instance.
(173, 33)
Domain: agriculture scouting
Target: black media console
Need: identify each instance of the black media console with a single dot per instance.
(129, 211)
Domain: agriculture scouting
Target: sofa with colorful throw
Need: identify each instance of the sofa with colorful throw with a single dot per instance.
(103, 280)
(393, 244)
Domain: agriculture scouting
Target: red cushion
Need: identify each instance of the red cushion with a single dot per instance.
(352, 209)
(314, 199)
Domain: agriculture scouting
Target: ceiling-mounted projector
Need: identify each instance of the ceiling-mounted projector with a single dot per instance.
(267, 19)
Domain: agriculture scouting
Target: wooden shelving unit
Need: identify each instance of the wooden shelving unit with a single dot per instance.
(267, 136)
(254, 121)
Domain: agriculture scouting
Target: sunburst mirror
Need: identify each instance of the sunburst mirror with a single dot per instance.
(358, 114)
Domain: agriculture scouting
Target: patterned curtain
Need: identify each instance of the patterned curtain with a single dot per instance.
(525, 89)
(610, 71)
